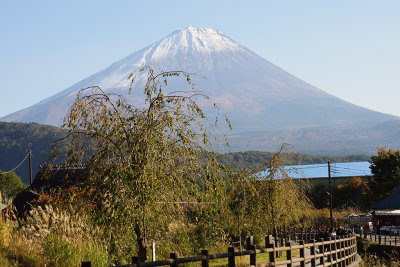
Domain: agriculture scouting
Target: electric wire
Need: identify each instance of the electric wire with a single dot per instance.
(17, 165)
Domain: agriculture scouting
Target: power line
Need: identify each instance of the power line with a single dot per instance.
(15, 167)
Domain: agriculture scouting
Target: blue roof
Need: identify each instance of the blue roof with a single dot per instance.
(343, 169)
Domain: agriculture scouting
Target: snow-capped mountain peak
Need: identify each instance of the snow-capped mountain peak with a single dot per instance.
(255, 94)
(193, 40)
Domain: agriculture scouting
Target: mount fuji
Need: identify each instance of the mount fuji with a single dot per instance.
(256, 95)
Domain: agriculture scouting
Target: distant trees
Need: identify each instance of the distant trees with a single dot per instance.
(385, 167)
(354, 193)
(17, 138)
(10, 184)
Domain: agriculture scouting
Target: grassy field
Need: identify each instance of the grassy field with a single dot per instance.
(244, 260)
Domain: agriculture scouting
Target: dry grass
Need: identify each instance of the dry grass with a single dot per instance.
(49, 237)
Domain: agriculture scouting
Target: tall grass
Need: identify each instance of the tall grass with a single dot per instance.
(49, 237)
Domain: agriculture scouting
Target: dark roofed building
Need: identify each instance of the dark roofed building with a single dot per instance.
(387, 211)
(45, 181)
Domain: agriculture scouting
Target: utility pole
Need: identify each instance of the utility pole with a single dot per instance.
(30, 167)
(330, 192)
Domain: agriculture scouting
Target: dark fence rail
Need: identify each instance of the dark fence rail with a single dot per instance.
(337, 251)
(391, 240)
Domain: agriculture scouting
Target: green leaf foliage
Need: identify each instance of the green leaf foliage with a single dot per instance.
(10, 184)
(385, 166)
(148, 165)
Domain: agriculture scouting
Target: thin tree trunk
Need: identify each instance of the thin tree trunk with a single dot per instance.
(141, 244)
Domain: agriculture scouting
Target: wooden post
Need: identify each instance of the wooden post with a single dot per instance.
(330, 193)
(136, 261)
(329, 249)
(253, 256)
(385, 239)
(86, 264)
(269, 243)
(153, 251)
(295, 236)
(249, 242)
(395, 240)
(341, 247)
(333, 247)
(312, 252)
(303, 262)
(174, 256)
(231, 257)
(380, 239)
(347, 250)
(204, 262)
(30, 167)
(289, 254)
(321, 250)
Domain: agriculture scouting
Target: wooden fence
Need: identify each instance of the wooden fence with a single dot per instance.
(391, 240)
(338, 251)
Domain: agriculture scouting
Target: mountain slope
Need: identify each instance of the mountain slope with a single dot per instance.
(254, 93)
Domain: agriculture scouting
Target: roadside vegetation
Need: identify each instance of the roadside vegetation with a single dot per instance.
(153, 175)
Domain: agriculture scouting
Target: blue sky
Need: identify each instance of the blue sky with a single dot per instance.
(348, 48)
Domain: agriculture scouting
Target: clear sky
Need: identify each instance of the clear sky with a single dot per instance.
(348, 48)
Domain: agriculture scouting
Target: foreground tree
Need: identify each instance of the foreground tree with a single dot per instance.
(146, 163)
(385, 167)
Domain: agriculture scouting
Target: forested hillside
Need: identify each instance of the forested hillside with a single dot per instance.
(16, 139)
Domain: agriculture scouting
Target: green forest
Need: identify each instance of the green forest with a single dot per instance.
(16, 139)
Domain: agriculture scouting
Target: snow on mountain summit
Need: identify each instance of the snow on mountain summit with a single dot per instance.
(194, 40)
(254, 93)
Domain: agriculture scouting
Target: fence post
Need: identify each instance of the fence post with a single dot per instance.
(269, 243)
(329, 249)
(385, 239)
(346, 250)
(395, 240)
(253, 256)
(312, 252)
(321, 249)
(86, 264)
(174, 256)
(204, 262)
(249, 242)
(153, 251)
(302, 263)
(341, 247)
(289, 254)
(231, 257)
(380, 239)
(136, 261)
(295, 236)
